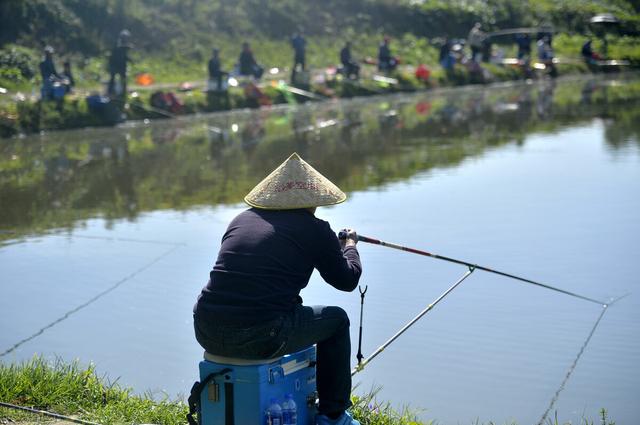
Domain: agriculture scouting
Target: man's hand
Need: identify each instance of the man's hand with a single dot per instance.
(347, 237)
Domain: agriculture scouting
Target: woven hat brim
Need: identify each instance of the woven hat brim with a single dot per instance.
(294, 184)
(301, 206)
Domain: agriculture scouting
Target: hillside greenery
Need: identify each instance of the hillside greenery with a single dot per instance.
(173, 38)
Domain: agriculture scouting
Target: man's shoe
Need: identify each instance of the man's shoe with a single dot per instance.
(344, 419)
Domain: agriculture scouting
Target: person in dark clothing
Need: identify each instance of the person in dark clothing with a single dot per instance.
(118, 63)
(299, 45)
(350, 68)
(524, 45)
(590, 57)
(247, 64)
(251, 307)
(48, 73)
(67, 77)
(446, 59)
(386, 61)
(546, 34)
(215, 71)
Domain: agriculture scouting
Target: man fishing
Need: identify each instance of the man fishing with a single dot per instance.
(299, 45)
(251, 307)
(350, 68)
(48, 73)
(215, 70)
(118, 64)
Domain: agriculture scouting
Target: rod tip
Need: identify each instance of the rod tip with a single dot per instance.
(605, 305)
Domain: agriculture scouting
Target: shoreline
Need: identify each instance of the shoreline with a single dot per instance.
(19, 118)
(76, 394)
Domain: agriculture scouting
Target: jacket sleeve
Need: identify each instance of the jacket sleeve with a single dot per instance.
(341, 269)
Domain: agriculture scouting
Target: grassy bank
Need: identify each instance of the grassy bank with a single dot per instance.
(26, 114)
(173, 41)
(73, 390)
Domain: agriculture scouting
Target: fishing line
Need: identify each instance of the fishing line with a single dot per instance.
(114, 239)
(90, 301)
(45, 413)
(555, 397)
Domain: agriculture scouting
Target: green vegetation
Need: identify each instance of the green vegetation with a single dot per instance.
(70, 389)
(73, 390)
(173, 40)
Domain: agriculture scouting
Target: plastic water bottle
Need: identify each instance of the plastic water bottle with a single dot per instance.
(273, 415)
(289, 411)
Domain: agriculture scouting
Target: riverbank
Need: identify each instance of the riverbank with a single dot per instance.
(31, 115)
(24, 114)
(77, 392)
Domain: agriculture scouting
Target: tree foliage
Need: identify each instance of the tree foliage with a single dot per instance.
(91, 26)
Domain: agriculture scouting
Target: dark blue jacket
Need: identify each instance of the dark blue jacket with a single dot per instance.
(267, 257)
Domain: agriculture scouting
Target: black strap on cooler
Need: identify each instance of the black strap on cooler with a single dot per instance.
(228, 404)
(196, 392)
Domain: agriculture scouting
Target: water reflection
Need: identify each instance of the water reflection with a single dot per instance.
(54, 180)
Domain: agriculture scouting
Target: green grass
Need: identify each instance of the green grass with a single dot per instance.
(70, 389)
(74, 390)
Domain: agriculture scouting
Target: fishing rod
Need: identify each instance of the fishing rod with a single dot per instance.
(373, 241)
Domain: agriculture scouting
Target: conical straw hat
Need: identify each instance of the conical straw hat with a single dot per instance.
(294, 184)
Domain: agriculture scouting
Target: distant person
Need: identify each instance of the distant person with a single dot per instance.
(215, 70)
(299, 45)
(118, 63)
(524, 45)
(545, 55)
(386, 61)
(48, 73)
(589, 56)
(545, 52)
(446, 58)
(476, 40)
(247, 64)
(67, 77)
(546, 32)
(350, 68)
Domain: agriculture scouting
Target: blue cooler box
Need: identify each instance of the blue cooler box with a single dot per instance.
(246, 388)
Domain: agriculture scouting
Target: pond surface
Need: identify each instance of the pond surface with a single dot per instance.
(107, 236)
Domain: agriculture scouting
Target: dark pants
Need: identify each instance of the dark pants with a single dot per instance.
(111, 89)
(350, 69)
(297, 60)
(328, 327)
(475, 51)
(217, 77)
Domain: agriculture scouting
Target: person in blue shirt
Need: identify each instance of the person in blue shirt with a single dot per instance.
(386, 61)
(299, 45)
(251, 306)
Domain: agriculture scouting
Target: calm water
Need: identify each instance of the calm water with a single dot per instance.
(107, 236)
